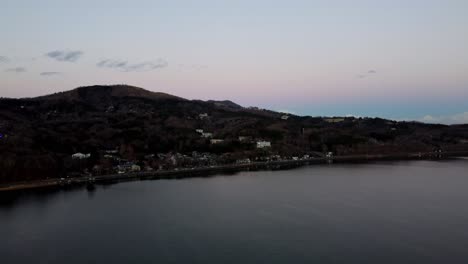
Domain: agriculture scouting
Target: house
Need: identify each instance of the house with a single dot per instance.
(173, 160)
(284, 117)
(97, 169)
(203, 116)
(111, 157)
(110, 109)
(112, 151)
(275, 157)
(81, 156)
(207, 135)
(135, 168)
(216, 141)
(263, 144)
(245, 138)
(162, 156)
(149, 156)
(199, 131)
(334, 120)
(128, 167)
(243, 161)
(122, 168)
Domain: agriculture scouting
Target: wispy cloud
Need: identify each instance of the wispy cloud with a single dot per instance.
(50, 73)
(369, 73)
(125, 66)
(16, 70)
(4, 59)
(65, 55)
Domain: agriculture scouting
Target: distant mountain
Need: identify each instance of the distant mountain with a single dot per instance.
(40, 134)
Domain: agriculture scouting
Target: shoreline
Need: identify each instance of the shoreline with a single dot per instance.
(222, 169)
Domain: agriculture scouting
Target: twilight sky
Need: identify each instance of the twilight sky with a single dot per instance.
(395, 59)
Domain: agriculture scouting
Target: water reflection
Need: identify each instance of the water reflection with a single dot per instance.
(405, 212)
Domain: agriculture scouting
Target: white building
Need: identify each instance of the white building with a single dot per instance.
(243, 161)
(216, 141)
(263, 144)
(207, 135)
(135, 168)
(81, 156)
(245, 138)
(110, 109)
(128, 167)
(203, 116)
(199, 131)
(284, 117)
(108, 156)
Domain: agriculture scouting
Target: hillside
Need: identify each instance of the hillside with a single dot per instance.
(100, 94)
(121, 125)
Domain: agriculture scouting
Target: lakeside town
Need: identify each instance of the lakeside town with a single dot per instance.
(121, 129)
(130, 171)
(111, 162)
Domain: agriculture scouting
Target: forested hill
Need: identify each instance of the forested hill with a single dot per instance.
(39, 135)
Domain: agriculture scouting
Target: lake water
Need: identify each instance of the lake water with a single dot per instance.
(402, 212)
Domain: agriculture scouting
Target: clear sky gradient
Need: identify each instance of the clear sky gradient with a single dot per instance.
(394, 59)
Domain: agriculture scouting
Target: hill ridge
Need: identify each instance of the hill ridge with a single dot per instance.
(86, 93)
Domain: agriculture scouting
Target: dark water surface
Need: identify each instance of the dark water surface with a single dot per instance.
(404, 212)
